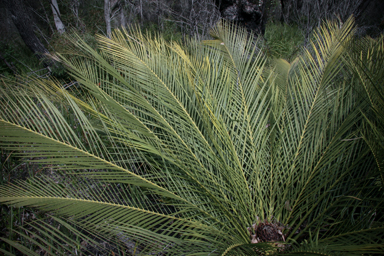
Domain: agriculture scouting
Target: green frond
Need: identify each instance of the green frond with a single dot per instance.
(206, 148)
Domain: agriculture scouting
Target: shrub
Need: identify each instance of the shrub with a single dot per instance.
(198, 150)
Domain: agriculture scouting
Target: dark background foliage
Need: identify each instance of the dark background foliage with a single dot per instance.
(28, 27)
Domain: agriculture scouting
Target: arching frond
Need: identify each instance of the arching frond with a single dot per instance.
(202, 149)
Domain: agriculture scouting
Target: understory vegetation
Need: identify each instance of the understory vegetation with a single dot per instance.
(212, 147)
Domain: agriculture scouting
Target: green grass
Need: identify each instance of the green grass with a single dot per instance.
(282, 40)
(170, 31)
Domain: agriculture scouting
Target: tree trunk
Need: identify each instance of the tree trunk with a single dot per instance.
(141, 12)
(113, 9)
(122, 18)
(23, 23)
(75, 9)
(56, 17)
(107, 16)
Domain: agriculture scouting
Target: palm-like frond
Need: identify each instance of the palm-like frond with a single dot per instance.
(201, 149)
(365, 57)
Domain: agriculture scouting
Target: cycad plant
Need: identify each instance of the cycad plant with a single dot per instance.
(205, 148)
